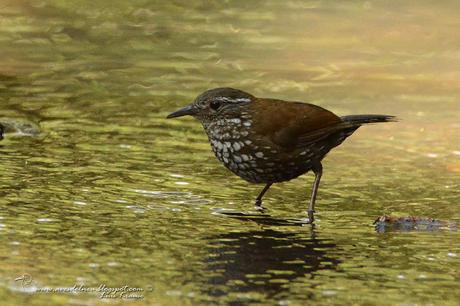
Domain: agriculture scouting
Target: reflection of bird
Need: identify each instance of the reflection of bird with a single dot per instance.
(270, 141)
(2, 130)
(264, 261)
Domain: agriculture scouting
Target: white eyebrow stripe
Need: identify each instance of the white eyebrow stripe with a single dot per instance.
(232, 100)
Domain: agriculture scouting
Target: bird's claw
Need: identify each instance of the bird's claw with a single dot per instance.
(305, 221)
(260, 208)
(311, 216)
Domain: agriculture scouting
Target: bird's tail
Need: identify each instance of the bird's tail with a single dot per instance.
(363, 119)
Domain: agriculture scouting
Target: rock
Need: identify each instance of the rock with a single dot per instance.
(412, 223)
(19, 126)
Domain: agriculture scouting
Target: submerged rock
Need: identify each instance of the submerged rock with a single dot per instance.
(19, 126)
(412, 223)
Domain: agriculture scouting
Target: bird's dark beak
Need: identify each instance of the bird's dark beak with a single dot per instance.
(187, 110)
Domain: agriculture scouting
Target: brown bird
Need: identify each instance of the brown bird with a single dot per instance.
(270, 141)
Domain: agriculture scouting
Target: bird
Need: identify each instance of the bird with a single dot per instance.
(268, 141)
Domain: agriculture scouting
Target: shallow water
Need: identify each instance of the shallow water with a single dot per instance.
(110, 193)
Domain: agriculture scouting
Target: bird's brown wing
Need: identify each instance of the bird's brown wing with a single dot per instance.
(292, 125)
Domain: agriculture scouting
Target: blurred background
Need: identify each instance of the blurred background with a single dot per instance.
(104, 190)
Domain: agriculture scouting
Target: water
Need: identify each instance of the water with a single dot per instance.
(112, 194)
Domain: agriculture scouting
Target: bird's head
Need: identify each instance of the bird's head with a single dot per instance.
(215, 104)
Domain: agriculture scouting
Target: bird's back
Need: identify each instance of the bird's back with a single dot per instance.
(285, 139)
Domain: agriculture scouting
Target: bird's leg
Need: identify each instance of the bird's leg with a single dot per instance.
(261, 194)
(318, 170)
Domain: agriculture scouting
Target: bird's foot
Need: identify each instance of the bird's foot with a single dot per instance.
(311, 216)
(258, 206)
(304, 221)
(308, 220)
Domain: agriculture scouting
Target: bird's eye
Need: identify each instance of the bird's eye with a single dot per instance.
(214, 105)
